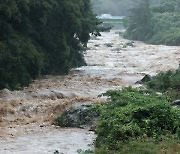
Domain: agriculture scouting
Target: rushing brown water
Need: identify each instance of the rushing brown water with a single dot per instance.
(26, 116)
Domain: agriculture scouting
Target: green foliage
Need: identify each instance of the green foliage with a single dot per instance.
(141, 121)
(42, 37)
(168, 145)
(135, 114)
(165, 6)
(166, 29)
(168, 82)
(80, 151)
(164, 24)
(19, 61)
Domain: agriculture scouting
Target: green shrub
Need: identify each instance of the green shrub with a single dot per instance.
(135, 114)
(168, 82)
(146, 146)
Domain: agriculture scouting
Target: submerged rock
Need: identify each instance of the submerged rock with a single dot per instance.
(54, 94)
(131, 44)
(109, 44)
(62, 95)
(97, 45)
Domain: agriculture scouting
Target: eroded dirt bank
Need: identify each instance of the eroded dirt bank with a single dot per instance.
(26, 116)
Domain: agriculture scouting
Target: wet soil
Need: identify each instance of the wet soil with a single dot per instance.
(26, 115)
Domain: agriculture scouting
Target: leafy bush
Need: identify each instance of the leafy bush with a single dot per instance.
(135, 114)
(146, 146)
(168, 82)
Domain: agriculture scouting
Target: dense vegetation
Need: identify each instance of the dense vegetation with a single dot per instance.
(168, 83)
(138, 121)
(42, 37)
(141, 121)
(157, 25)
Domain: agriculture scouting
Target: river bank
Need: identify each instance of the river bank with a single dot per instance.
(26, 116)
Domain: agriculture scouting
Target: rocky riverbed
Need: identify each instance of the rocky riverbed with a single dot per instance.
(112, 62)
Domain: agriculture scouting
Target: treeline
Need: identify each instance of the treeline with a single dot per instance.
(42, 37)
(157, 25)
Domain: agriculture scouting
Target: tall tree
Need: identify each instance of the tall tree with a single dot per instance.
(139, 25)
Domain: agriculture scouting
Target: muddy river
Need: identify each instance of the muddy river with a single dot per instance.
(112, 62)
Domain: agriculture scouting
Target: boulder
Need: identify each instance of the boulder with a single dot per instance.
(79, 117)
(176, 103)
(146, 78)
(4, 93)
(131, 44)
